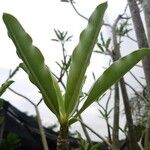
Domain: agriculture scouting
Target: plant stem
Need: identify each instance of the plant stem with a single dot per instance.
(42, 133)
(146, 4)
(115, 134)
(62, 140)
(43, 136)
(85, 131)
(71, 2)
(99, 136)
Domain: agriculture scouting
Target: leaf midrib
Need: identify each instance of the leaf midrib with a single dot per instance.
(30, 68)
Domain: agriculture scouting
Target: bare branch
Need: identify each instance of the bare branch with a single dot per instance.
(21, 95)
(136, 79)
(77, 10)
(136, 93)
(99, 136)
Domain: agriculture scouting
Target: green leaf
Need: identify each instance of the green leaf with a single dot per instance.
(72, 121)
(68, 64)
(33, 64)
(58, 34)
(95, 147)
(110, 111)
(69, 38)
(55, 40)
(81, 58)
(103, 114)
(64, 0)
(4, 86)
(100, 47)
(107, 43)
(102, 39)
(112, 75)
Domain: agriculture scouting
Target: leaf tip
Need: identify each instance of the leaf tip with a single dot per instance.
(7, 18)
(5, 15)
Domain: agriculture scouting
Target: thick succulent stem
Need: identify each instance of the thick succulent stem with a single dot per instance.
(62, 140)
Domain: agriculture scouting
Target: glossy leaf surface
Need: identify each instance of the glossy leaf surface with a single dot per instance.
(33, 63)
(4, 86)
(112, 75)
(80, 58)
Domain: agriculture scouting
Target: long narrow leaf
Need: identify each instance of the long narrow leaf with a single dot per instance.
(81, 57)
(33, 63)
(4, 86)
(113, 74)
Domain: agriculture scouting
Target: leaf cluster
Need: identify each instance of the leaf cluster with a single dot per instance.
(11, 142)
(65, 106)
(84, 145)
(103, 45)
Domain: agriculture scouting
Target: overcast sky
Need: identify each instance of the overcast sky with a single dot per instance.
(39, 18)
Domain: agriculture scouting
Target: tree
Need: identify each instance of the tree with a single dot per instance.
(142, 42)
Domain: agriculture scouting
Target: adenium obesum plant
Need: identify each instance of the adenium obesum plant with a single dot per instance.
(65, 106)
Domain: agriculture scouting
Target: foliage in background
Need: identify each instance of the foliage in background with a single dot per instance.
(11, 142)
(84, 145)
(4, 87)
